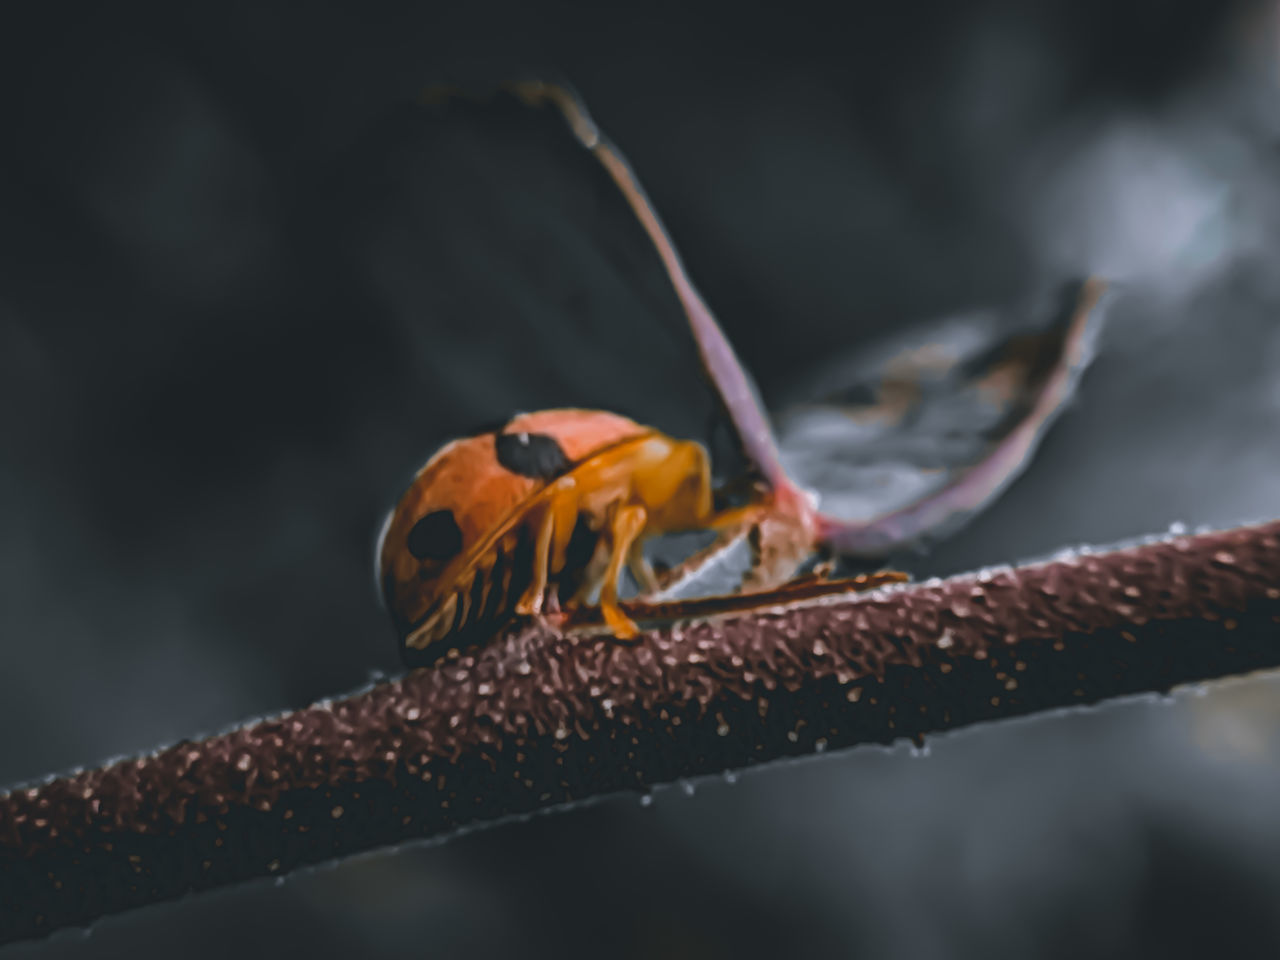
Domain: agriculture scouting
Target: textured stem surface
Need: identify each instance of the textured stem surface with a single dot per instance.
(535, 719)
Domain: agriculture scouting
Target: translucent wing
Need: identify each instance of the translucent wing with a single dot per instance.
(902, 444)
(923, 434)
(508, 271)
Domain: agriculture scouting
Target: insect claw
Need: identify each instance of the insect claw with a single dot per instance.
(529, 606)
(623, 627)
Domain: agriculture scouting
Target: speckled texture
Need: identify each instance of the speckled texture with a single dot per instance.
(535, 720)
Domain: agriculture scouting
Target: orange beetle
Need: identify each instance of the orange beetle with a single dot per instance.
(552, 502)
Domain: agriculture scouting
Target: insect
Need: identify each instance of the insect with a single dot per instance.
(492, 524)
(538, 515)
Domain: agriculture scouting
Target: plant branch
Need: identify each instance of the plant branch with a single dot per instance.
(535, 719)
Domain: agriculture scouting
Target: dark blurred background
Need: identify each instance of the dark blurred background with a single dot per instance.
(236, 313)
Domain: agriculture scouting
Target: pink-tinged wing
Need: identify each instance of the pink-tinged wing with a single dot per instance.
(938, 428)
(929, 433)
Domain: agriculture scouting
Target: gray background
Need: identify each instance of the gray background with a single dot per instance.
(232, 322)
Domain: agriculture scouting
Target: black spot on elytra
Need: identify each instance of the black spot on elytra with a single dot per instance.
(482, 625)
(435, 537)
(531, 455)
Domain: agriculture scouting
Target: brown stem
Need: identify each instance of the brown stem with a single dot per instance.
(536, 719)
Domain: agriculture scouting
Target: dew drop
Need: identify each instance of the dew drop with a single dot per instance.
(730, 777)
(687, 787)
(646, 799)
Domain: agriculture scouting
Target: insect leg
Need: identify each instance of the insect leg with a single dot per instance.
(564, 509)
(628, 522)
(530, 604)
(482, 587)
(554, 525)
(641, 568)
(463, 592)
(593, 575)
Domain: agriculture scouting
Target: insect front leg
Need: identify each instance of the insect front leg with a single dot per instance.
(627, 523)
(553, 520)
